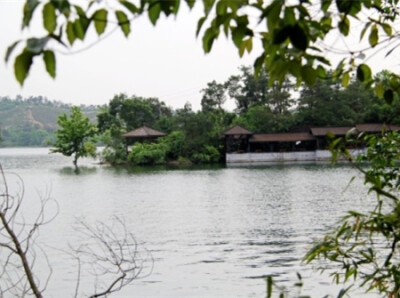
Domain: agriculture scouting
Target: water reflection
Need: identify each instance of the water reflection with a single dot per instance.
(81, 170)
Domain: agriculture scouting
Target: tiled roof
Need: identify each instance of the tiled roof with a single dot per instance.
(236, 130)
(143, 132)
(282, 137)
(337, 131)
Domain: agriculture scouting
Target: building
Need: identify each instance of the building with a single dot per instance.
(244, 146)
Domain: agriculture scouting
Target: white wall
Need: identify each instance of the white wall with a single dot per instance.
(319, 155)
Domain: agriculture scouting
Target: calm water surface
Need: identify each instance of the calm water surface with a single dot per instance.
(212, 232)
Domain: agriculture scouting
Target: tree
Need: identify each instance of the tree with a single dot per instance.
(213, 97)
(73, 137)
(292, 35)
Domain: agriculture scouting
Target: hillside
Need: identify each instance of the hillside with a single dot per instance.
(32, 121)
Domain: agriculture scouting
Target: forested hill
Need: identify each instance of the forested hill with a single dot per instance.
(32, 121)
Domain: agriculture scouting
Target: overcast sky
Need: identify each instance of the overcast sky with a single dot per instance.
(166, 61)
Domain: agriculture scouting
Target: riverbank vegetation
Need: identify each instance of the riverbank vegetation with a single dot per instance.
(195, 136)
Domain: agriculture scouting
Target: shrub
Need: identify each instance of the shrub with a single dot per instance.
(174, 143)
(148, 154)
(208, 154)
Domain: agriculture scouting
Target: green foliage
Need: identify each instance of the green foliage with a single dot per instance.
(115, 150)
(132, 112)
(174, 144)
(292, 34)
(148, 154)
(207, 154)
(365, 245)
(213, 97)
(74, 135)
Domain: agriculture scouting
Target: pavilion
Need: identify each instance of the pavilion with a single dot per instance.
(142, 134)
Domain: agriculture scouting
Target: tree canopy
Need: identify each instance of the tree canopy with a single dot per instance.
(292, 34)
(73, 137)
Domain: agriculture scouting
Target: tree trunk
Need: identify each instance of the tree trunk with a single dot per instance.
(75, 161)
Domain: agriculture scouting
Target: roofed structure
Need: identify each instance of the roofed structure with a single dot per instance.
(282, 137)
(323, 131)
(144, 132)
(236, 130)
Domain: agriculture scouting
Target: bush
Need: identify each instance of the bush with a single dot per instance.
(148, 154)
(208, 154)
(115, 150)
(174, 144)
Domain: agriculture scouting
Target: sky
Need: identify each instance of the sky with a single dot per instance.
(165, 61)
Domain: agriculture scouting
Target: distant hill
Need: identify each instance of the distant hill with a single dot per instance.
(32, 121)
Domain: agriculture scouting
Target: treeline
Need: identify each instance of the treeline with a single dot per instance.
(195, 136)
(32, 121)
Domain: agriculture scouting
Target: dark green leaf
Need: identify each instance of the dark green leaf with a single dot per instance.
(309, 75)
(281, 34)
(388, 96)
(49, 17)
(325, 4)
(344, 26)
(50, 62)
(272, 13)
(289, 16)
(222, 8)
(190, 3)
(29, 8)
(387, 28)
(364, 30)
(348, 7)
(36, 45)
(208, 4)
(100, 20)
(80, 11)
(245, 45)
(208, 39)
(200, 24)
(298, 37)
(379, 90)
(71, 33)
(169, 6)
(364, 73)
(373, 36)
(258, 64)
(154, 12)
(123, 22)
(22, 66)
(78, 29)
(130, 6)
(10, 49)
(62, 5)
(238, 34)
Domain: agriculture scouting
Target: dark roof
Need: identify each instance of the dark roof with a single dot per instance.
(143, 132)
(282, 137)
(376, 127)
(337, 131)
(236, 130)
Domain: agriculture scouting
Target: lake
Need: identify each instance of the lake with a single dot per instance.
(211, 231)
